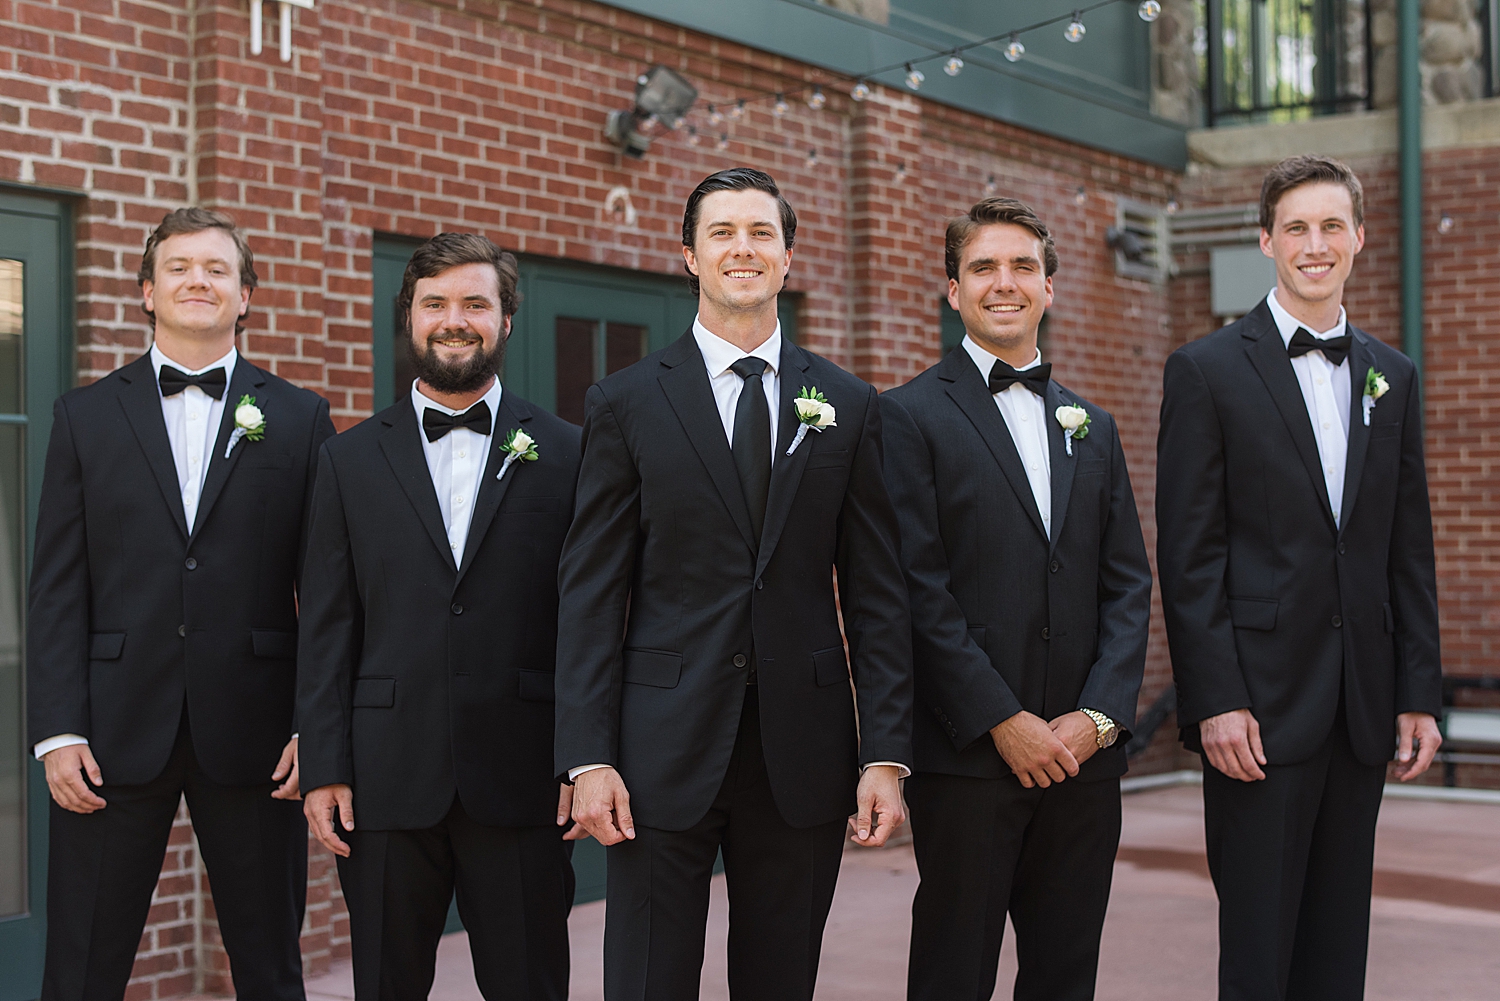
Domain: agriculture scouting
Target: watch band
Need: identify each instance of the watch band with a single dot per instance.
(1108, 730)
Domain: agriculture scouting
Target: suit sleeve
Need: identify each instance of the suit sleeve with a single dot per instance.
(594, 575)
(1192, 547)
(1413, 576)
(873, 599)
(1113, 686)
(328, 639)
(57, 684)
(969, 691)
(322, 430)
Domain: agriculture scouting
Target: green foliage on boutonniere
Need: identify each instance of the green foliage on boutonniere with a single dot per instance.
(521, 445)
(1375, 384)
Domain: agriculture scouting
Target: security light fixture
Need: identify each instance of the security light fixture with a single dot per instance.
(661, 95)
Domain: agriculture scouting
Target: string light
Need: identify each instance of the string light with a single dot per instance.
(738, 111)
(715, 116)
(723, 142)
(954, 66)
(989, 186)
(817, 99)
(861, 91)
(1075, 30)
(693, 137)
(678, 123)
(914, 77)
(1015, 50)
(1172, 206)
(780, 107)
(1081, 195)
(812, 157)
(1149, 10)
(1445, 224)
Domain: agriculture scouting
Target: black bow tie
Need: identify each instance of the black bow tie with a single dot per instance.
(175, 380)
(1335, 349)
(1002, 377)
(435, 423)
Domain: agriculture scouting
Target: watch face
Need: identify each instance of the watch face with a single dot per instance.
(1111, 735)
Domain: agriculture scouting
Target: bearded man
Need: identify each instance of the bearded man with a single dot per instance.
(430, 611)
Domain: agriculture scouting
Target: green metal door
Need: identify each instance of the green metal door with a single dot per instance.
(36, 297)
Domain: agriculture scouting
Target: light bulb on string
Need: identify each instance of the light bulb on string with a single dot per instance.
(817, 99)
(738, 111)
(1081, 195)
(1149, 10)
(990, 187)
(693, 137)
(861, 91)
(1015, 50)
(914, 77)
(812, 158)
(1172, 206)
(1075, 30)
(723, 142)
(780, 107)
(954, 66)
(715, 116)
(1445, 224)
(678, 123)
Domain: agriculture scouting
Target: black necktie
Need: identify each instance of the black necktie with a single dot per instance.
(752, 440)
(175, 380)
(1002, 377)
(1335, 349)
(435, 423)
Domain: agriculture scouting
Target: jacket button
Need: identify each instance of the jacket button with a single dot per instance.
(1046, 633)
(759, 584)
(191, 563)
(457, 609)
(1055, 566)
(739, 660)
(182, 630)
(1337, 622)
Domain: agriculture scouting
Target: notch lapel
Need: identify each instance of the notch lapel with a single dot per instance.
(509, 414)
(1361, 360)
(245, 379)
(403, 450)
(685, 385)
(786, 470)
(1063, 465)
(141, 401)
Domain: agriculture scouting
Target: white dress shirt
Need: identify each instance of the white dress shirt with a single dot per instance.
(1025, 415)
(1325, 390)
(456, 462)
(719, 354)
(192, 418)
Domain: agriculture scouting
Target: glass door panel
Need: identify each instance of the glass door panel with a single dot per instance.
(13, 765)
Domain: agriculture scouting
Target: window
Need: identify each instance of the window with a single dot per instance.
(1285, 59)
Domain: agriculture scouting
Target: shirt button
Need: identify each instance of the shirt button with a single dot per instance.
(458, 502)
(1025, 418)
(1033, 465)
(192, 416)
(453, 546)
(461, 454)
(1325, 425)
(1320, 380)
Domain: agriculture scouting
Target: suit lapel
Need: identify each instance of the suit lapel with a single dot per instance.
(511, 413)
(1268, 354)
(246, 379)
(403, 450)
(786, 470)
(968, 389)
(141, 401)
(685, 384)
(1361, 360)
(1062, 464)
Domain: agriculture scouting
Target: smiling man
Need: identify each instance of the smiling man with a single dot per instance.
(162, 630)
(1296, 561)
(704, 698)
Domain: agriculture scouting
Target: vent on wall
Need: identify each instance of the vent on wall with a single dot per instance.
(1139, 239)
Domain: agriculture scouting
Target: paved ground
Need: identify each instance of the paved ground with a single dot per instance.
(1435, 932)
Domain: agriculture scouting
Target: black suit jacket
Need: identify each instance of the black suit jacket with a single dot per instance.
(1270, 606)
(666, 595)
(428, 673)
(1002, 618)
(131, 613)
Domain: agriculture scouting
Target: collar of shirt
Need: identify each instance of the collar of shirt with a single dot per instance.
(158, 360)
(420, 400)
(719, 354)
(1287, 324)
(985, 361)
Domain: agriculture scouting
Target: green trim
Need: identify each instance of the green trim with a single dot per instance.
(1409, 49)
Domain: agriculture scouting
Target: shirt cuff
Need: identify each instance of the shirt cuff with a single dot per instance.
(900, 768)
(573, 773)
(53, 743)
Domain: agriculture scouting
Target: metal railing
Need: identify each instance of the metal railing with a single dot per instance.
(1268, 60)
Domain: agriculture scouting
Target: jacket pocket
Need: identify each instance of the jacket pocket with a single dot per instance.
(374, 693)
(828, 458)
(830, 666)
(1390, 617)
(276, 644)
(538, 686)
(106, 646)
(1385, 431)
(656, 668)
(1253, 613)
(1087, 466)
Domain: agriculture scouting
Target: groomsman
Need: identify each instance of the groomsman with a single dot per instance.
(1295, 552)
(1030, 600)
(704, 692)
(162, 632)
(430, 611)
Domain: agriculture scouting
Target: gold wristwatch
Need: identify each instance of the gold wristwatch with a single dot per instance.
(1109, 732)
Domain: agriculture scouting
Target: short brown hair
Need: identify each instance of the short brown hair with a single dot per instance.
(994, 210)
(453, 250)
(195, 220)
(1295, 171)
(734, 179)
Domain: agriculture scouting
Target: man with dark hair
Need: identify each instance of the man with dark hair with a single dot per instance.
(1296, 561)
(162, 629)
(704, 697)
(1031, 600)
(427, 651)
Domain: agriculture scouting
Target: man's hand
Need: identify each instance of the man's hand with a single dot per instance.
(601, 805)
(1232, 743)
(319, 807)
(565, 814)
(286, 768)
(1410, 727)
(1036, 754)
(66, 767)
(1079, 734)
(879, 799)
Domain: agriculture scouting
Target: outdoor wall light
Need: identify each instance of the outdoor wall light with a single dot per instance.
(661, 95)
(257, 29)
(1127, 243)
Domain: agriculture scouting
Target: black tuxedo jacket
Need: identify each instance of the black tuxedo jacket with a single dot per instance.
(1270, 606)
(132, 611)
(428, 672)
(666, 596)
(1002, 618)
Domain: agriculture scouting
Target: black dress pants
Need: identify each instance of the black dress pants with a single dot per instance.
(780, 880)
(1292, 858)
(104, 865)
(514, 887)
(988, 847)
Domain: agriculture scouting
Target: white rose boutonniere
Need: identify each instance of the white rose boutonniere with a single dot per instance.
(1375, 388)
(249, 423)
(518, 447)
(1075, 423)
(814, 413)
